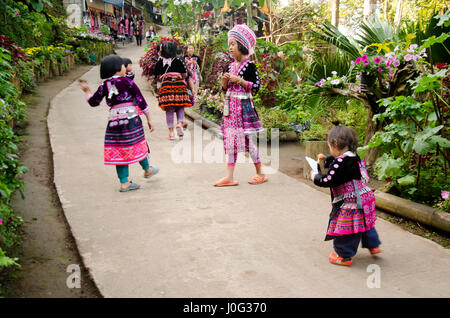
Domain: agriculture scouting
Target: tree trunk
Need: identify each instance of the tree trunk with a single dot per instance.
(398, 13)
(371, 154)
(370, 6)
(334, 9)
(386, 9)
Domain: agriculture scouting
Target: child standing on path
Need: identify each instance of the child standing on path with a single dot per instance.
(128, 68)
(240, 119)
(172, 96)
(125, 139)
(353, 216)
(193, 63)
(130, 74)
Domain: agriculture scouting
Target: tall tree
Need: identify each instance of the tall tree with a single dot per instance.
(386, 9)
(398, 13)
(370, 6)
(334, 8)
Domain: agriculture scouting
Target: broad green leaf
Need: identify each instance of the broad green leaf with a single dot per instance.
(441, 141)
(38, 5)
(407, 180)
(443, 18)
(407, 145)
(432, 116)
(387, 167)
(422, 141)
(433, 40)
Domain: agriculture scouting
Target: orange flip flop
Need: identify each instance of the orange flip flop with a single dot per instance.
(338, 260)
(258, 180)
(225, 183)
(375, 250)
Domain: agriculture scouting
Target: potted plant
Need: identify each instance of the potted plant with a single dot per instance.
(369, 67)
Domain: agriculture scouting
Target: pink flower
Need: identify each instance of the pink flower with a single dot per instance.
(408, 57)
(17, 14)
(380, 70)
(366, 62)
(358, 60)
(396, 63)
(377, 60)
(440, 204)
(364, 57)
(445, 195)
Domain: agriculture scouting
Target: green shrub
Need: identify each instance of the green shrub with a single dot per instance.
(82, 55)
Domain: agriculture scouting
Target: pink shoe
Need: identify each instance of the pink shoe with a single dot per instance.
(171, 137)
(180, 130)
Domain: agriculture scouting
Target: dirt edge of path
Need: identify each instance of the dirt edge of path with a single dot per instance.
(48, 247)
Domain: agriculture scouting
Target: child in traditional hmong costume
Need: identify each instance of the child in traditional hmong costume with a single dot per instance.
(125, 139)
(130, 74)
(193, 63)
(172, 96)
(353, 216)
(240, 119)
(128, 68)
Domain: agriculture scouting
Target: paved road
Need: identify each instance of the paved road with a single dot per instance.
(178, 236)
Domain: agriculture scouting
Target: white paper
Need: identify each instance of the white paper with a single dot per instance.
(312, 164)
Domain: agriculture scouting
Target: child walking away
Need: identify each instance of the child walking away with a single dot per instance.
(240, 119)
(125, 139)
(172, 96)
(353, 216)
(128, 68)
(130, 74)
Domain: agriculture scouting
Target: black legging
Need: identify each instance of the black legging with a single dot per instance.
(139, 40)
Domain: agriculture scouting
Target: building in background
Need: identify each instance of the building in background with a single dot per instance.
(94, 13)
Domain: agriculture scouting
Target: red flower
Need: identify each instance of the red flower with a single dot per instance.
(441, 66)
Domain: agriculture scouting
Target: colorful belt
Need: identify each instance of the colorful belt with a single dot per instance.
(240, 95)
(122, 112)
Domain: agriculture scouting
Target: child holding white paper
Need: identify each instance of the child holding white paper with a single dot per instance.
(353, 216)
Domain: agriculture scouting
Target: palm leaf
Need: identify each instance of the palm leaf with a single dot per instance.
(329, 34)
(373, 30)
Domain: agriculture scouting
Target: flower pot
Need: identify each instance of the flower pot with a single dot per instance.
(367, 79)
(47, 69)
(66, 62)
(54, 68)
(60, 69)
(15, 80)
(71, 60)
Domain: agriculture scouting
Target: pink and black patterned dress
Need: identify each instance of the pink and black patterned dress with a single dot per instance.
(125, 141)
(353, 202)
(242, 119)
(194, 68)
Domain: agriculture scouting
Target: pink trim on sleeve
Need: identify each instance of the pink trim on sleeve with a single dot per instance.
(248, 86)
(88, 96)
(146, 110)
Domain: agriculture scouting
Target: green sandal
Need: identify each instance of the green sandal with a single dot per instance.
(155, 170)
(132, 186)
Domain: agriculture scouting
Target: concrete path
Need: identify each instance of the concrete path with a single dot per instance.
(178, 236)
